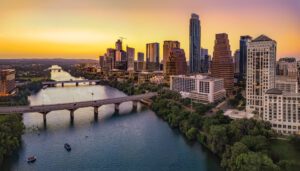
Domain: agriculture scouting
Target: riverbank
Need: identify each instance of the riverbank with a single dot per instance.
(240, 144)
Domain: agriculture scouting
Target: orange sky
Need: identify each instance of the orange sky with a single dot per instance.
(85, 28)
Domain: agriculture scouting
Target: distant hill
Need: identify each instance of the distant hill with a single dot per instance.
(46, 61)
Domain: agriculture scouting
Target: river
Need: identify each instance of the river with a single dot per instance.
(137, 141)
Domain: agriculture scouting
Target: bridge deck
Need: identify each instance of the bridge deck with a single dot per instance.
(68, 81)
(73, 106)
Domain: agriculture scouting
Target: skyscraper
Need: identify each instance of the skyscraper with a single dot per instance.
(237, 62)
(261, 67)
(152, 52)
(167, 48)
(140, 57)
(119, 46)
(195, 44)
(222, 63)
(244, 41)
(204, 60)
(152, 56)
(130, 58)
(176, 63)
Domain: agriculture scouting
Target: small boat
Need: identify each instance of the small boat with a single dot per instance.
(67, 147)
(31, 159)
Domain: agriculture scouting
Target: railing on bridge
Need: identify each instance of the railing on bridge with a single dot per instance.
(54, 83)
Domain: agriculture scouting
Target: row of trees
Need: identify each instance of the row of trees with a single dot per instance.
(11, 129)
(241, 144)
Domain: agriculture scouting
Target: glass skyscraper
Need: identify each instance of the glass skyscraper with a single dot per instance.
(195, 44)
(244, 41)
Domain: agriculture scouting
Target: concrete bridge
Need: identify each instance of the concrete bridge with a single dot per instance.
(54, 83)
(72, 107)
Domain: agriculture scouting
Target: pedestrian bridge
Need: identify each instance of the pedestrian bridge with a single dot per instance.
(45, 109)
(54, 83)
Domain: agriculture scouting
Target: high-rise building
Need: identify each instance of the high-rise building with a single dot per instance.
(199, 87)
(204, 60)
(244, 41)
(130, 58)
(152, 57)
(167, 48)
(140, 57)
(176, 63)
(287, 67)
(222, 63)
(7, 81)
(261, 66)
(152, 52)
(195, 44)
(282, 110)
(237, 62)
(119, 46)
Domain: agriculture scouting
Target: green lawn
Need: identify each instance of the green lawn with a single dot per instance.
(285, 150)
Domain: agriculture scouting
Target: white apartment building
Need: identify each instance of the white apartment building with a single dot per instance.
(282, 110)
(286, 84)
(199, 87)
(261, 67)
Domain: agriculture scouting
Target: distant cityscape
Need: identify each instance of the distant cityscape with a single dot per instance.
(243, 105)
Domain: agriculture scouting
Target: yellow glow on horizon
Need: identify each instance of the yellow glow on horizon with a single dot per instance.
(84, 29)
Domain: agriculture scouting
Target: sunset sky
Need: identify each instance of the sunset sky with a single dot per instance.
(85, 28)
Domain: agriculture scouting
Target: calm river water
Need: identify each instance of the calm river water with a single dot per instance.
(137, 141)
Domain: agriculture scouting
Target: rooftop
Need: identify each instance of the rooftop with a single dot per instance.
(274, 91)
(262, 38)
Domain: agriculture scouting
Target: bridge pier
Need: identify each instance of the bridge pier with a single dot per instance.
(90, 83)
(44, 117)
(77, 84)
(96, 112)
(62, 84)
(117, 108)
(72, 115)
(134, 105)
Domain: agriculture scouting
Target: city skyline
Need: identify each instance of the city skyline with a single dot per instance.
(60, 29)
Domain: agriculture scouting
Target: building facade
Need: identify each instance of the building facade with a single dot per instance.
(261, 66)
(152, 52)
(222, 63)
(286, 84)
(244, 41)
(201, 88)
(7, 81)
(167, 48)
(236, 62)
(176, 63)
(130, 58)
(282, 110)
(287, 67)
(195, 44)
(141, 57)
(204, 60)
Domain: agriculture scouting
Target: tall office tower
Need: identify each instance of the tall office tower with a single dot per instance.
(244, 41)
(195, 44)
(140, 57)
(130, 58)
(261, 66)
(111, 54)
(176, 63)
(152, 52)
(119, 46)
(152, 57)
(222, 63)
(204, 60)
(101, 61)
(168, 46)
(237, 62)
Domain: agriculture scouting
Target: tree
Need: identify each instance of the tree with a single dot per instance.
(254, 162)
(231, 153)
(191, 133)
(256, 143)
(217, 138)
